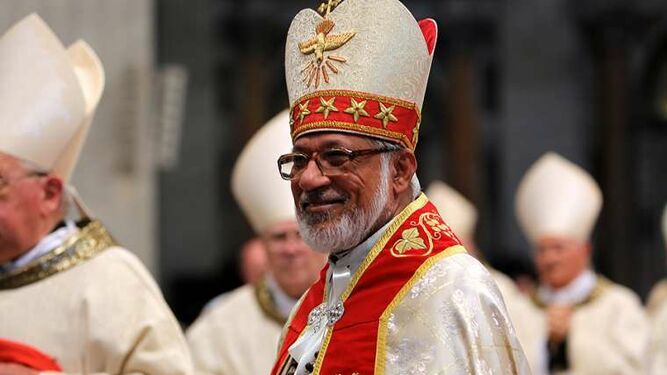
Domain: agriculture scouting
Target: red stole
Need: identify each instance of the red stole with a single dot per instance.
(22, 354)
(417, 234)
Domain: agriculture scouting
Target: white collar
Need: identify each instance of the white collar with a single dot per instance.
(283, 302)
(573, 293)
(46, 244)
(352, 259)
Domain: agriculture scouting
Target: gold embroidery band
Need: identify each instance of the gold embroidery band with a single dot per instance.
(265, 301)
(90, 241)
(357, 113)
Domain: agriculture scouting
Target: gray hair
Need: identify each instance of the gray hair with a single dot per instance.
(415, 186)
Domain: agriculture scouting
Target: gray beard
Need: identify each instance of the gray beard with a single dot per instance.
(348, 230)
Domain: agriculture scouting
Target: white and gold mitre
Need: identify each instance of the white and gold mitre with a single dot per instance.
(557, 198)
(264, 197)
(48, 96)
(458, 212)
(360, 68)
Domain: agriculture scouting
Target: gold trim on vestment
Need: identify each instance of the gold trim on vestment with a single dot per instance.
(601, 286)
(381, 347)
(78, 248)
(266, 302)
(372, 254)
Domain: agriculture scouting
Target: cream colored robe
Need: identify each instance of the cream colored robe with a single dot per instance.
(523, 314)
(658, 347)
(608, 334)
(103, 316)
(235, 337)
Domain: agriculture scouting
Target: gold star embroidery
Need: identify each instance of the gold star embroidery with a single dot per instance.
(326, 106)
(356, 109)
(386, 115)
(303, 110)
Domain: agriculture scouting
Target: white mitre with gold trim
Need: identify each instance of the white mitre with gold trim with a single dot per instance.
(264, 197)
(361, 67)
(557, 198)
(458, 212)
(48, 96)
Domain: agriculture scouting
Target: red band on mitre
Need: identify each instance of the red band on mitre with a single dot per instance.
(18, 353)
(357, 113)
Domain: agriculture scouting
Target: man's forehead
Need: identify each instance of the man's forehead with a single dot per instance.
(8, 161)
(323, 140)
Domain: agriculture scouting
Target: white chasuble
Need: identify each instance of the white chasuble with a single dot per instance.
(94, 308)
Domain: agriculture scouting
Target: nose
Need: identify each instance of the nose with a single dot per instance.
(312, 177)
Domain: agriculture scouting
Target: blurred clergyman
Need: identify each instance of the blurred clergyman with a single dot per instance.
(240, 334)
(253, 262)
(591, 325)
(399, 295)
(658, 295)
(253, 265)
(68, 292)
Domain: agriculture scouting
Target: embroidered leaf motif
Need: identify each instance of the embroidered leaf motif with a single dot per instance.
(410, 240)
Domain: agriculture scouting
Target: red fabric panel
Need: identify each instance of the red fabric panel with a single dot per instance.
(430, 30)
(17, 353)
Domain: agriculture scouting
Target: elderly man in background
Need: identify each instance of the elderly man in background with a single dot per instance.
(240, 334)
(71, 300)
(399, 294)
(591, 325)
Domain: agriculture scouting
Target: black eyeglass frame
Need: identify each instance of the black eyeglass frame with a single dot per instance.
(350, 154)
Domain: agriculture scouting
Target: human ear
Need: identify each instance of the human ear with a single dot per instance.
(52, 194)
(404, 166)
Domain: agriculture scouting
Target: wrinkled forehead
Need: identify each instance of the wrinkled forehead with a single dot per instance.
(325, 140)
(560, 241)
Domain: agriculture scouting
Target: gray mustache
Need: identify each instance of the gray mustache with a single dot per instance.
(320, 196)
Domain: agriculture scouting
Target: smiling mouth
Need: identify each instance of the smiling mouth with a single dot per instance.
(321, 205)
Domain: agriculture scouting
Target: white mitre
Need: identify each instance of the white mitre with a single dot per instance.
(557, 198)
(361, 68)
(48, 96)
(458, 212)
(264, 197)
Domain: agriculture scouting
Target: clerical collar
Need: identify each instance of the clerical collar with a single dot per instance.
(282, 301)
(49, 242)
(573, 293)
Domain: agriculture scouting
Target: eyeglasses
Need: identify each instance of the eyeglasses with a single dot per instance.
(330, 162)
(4, 181)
